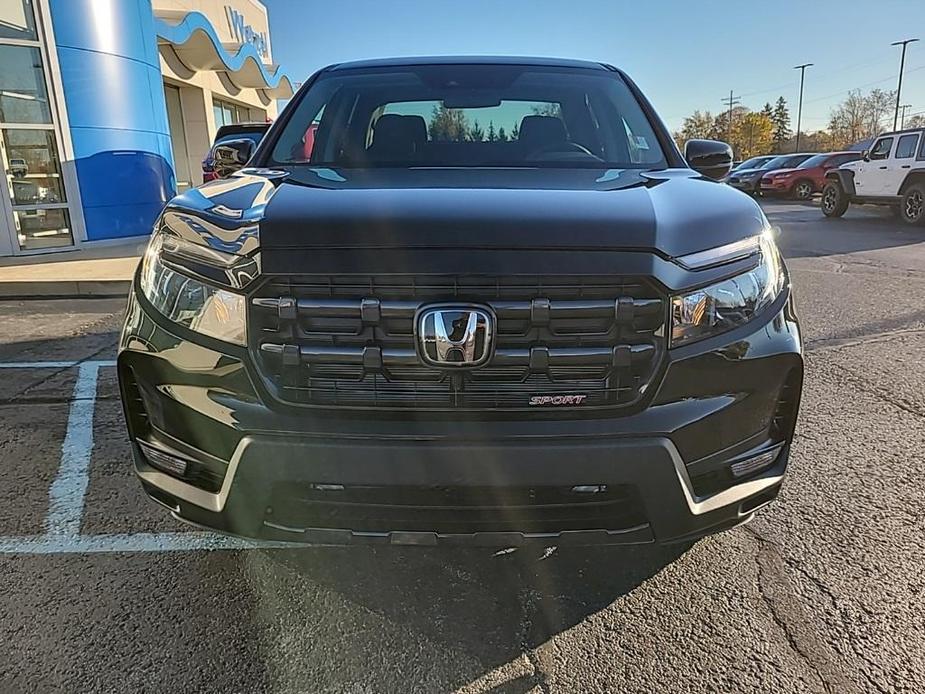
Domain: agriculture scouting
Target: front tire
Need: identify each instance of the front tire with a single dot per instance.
(912, 207)
(834, 200)
(802, 190)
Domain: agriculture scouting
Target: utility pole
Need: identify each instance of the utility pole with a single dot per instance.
(902, 115)
(731, 101)
(902, 65)
(802, 69)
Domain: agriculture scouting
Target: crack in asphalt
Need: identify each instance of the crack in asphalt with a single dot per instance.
(880, 393)
(787, 612)
(840, 611)
(836, 342)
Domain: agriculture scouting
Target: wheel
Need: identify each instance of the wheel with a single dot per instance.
(912, 207)
(802, 190)
(834, 200)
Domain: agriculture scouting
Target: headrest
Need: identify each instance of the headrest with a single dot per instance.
(537, 131)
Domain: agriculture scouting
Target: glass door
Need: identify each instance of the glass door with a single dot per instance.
(33, 199)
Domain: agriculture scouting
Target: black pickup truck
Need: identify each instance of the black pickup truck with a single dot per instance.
(491, 304)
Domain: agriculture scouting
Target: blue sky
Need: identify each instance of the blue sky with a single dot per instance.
(684, 54)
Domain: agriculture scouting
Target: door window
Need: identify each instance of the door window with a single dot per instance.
(905, 148)
(881, 150)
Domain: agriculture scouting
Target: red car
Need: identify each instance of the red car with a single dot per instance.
(806, 179)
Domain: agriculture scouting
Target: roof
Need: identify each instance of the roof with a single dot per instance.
(469, 60)
(902, 132)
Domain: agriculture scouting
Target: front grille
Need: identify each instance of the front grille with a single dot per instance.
(455, 509)
(349, 341)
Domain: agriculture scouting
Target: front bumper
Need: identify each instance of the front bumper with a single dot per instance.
(775, 187)
(746, 185)
(276, 473)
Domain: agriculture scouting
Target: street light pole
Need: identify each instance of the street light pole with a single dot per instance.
(802, 69)
(902, 64)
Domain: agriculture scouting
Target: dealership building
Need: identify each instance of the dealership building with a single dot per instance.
(107, 108)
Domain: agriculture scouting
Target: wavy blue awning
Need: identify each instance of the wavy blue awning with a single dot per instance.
(198, 47)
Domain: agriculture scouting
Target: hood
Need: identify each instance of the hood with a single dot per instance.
(667, 213)
(775, 172)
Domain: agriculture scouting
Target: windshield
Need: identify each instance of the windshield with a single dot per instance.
(778, 163)
(469, 116)
(246, 135)
(815, 161)
(752, 163)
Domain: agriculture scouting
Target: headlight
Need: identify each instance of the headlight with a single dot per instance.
(193, 304)
(732, 302)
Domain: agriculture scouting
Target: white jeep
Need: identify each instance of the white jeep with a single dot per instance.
(891, 173)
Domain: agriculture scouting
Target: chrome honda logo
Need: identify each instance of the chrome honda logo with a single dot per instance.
(454, 336)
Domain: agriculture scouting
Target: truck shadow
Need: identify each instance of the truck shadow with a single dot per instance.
(493, 605)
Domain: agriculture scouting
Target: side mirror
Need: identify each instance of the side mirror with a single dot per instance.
(865, 155)
(709, 158)
(232, 155)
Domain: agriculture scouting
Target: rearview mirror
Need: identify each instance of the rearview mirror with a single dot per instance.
(232, 155)
(709, 158)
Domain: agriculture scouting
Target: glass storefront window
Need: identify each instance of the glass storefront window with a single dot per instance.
(17, 20)
(32, 166)
(23, 98)
(43, 228)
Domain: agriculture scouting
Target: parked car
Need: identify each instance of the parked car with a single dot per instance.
(891, 173)
(18, 167)
(753, 163)
(807, 179)
(421, 339)
(235, 131)
(749, 180)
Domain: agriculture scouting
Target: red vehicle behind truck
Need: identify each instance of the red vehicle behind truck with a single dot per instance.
(802, 182)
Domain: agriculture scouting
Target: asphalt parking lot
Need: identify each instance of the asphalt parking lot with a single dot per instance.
(823, 592)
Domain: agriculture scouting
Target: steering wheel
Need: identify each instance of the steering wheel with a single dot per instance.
(561, 148)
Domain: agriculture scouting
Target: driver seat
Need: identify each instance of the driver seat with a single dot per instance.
(541, 132)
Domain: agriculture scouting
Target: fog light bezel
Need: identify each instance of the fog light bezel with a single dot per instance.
(753, 464)
(164, 461)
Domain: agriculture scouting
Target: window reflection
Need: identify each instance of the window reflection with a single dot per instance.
(17, 20)
(32, 165)
(23, 97)
(43, 228)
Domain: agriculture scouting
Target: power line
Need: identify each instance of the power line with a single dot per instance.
(730, 102)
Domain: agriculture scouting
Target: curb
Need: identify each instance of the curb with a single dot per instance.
(31, 289)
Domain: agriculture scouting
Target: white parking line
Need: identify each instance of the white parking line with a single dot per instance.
(68, 491)
(66, 497)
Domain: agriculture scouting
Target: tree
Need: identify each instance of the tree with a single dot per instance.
(781, 120)
(768, 110)
(753, 134)
(492, 135)
(475, 134)
(515, 131)
(860, 116)
(502, 136)
(916, 121)
(549, 109)
(448, 124)
(697, 126)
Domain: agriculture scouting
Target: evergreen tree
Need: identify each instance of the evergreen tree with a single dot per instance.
(781, 120)
(768, 110)
(492, 135)
(476, 134)
(515, 132)
(502, 136)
